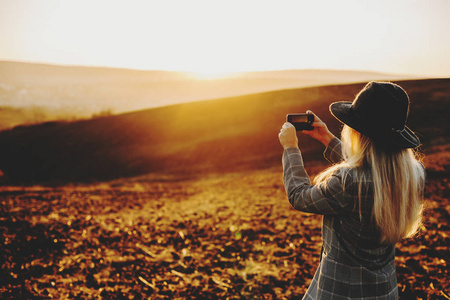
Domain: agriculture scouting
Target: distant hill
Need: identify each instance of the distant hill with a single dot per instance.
(190, 139)
(34, 93)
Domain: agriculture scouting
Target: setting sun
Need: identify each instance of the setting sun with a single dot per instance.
(144, 151)
(210, 38)
(211, 75)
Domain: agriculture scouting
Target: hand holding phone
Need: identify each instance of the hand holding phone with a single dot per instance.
(320, 130)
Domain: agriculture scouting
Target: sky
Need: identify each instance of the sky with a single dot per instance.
(216, 37)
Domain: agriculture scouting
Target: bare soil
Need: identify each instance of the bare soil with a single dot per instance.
(225, 236)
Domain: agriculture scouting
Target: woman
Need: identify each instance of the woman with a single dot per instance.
(370, 199)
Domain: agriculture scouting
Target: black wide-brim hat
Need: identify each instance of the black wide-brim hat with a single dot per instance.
(379, 111)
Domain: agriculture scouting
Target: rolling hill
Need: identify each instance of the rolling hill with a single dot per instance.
(35, 93)
(191, 139)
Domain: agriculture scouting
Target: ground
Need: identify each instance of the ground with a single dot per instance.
(222, 236)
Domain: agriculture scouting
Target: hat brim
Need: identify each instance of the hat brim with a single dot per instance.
(344, 113)
(395, 139)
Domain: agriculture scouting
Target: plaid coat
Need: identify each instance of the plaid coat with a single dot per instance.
(353, 265)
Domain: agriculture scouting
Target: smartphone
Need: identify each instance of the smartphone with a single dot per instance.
(301, 121)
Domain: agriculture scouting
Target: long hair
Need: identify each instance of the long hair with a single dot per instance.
(398, 181)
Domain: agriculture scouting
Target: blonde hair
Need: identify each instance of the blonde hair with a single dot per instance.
(398, 181)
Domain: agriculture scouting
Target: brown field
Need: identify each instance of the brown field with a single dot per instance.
(124, 207)
(233, 235)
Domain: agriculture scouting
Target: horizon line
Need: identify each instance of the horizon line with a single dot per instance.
(225, 73)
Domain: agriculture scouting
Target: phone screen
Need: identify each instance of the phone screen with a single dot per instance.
(298, 118)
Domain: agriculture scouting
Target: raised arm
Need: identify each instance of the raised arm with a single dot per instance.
(325, 198)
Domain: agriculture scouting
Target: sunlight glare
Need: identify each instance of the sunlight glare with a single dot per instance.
(211, 38)
(211, 75)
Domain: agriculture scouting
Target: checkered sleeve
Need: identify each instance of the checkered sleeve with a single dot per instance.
(325, 199)
(333, 152)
